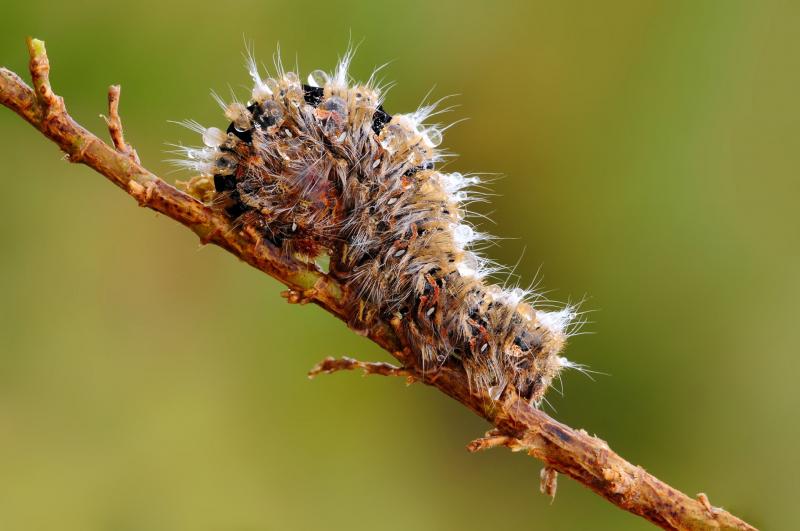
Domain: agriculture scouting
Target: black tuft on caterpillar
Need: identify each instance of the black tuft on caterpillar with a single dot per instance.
(323, 169)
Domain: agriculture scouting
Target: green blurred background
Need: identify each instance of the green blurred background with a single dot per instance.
(650, 155)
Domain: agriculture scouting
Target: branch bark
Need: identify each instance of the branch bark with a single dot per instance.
(518, 425)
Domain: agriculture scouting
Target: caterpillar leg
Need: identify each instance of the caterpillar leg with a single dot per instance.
(330, 365)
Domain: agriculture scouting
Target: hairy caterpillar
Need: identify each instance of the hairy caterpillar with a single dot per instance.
(322, 168)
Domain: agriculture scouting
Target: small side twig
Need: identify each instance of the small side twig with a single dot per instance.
(115, 125)
(40, 75)
(492, 439)
(330, 365)
(518, 425)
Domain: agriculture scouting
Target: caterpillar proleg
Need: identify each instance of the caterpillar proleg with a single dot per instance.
(321, 168)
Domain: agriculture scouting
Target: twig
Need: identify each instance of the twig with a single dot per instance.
(114, 123)
(330, 365)
(518, 425)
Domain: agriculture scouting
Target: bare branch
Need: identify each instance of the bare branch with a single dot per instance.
(518, 425)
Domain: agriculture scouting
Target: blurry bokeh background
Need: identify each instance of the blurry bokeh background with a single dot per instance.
(650, 155)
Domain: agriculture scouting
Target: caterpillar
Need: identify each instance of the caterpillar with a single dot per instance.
(321, 168)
